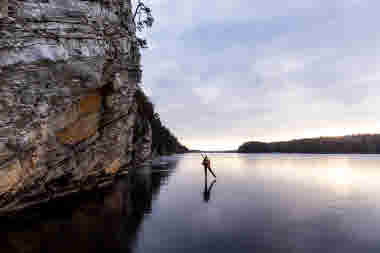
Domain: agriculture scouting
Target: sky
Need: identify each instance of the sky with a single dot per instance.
(224, 72)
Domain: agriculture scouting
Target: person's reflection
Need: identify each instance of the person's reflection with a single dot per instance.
(207, 189)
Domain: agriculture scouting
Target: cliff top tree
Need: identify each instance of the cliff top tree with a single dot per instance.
(143, 19)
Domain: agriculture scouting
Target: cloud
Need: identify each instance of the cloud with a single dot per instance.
(207, 94)
(229, 71)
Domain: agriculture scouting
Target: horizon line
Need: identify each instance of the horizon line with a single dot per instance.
(283, 140)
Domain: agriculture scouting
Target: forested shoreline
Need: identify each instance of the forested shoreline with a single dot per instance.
(361, 143)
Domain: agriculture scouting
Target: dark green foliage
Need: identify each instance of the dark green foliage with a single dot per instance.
(145, 106)
(365, 143)
(163, 141)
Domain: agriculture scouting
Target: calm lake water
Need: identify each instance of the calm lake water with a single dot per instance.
(259, 203)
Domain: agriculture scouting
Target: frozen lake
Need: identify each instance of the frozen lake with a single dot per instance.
(259, 203)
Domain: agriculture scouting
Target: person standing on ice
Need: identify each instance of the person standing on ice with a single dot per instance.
(207, 165)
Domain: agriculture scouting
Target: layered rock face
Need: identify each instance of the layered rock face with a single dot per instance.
(69, 71)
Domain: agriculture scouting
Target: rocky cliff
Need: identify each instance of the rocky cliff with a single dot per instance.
(69, 72)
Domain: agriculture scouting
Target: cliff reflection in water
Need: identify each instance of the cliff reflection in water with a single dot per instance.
(107, 221)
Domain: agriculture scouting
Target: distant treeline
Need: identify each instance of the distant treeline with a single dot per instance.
(363, 143)
(163, 141)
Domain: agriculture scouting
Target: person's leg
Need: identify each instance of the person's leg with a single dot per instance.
(211, 172)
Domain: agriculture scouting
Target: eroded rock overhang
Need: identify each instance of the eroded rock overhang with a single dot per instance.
(69, 70)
